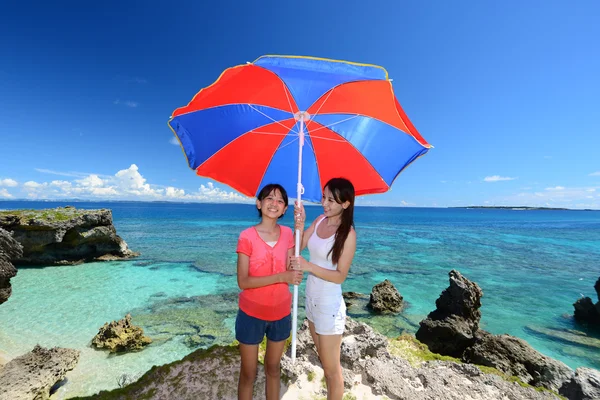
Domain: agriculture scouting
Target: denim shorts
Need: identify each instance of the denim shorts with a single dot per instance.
(250, 330)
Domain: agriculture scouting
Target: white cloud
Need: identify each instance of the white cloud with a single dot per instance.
(597, 173)
(174, 141)
(73, 174)
(557, 196)
(8, 182)
(174, 192)
(4, 193)
(126, 184)
(32, 185)
(91, 181)
(497, 178)
(127, 103)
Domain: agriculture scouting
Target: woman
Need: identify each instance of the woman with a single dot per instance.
(331, 241)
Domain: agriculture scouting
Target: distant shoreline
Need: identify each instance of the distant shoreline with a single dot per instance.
(510, 208)
(526, 208)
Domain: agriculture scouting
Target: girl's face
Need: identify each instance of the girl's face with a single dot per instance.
(332, 208)
(272, 206)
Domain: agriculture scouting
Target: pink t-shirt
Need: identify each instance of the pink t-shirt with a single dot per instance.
(272, 302)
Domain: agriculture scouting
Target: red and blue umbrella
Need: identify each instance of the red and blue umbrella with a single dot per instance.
(298, 121)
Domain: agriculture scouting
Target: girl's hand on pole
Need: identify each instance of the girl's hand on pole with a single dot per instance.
(299, 263)
(299, 216)
(293, 277)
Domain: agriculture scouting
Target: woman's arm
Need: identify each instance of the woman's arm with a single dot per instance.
(336, 276)
(251, 282)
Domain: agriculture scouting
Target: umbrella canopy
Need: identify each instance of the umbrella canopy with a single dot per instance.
(242, 130)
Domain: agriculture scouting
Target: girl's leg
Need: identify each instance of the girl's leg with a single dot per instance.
(329, 353)
(272, 368)
(249, 355)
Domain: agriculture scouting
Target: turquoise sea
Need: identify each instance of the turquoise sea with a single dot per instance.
(531, 265)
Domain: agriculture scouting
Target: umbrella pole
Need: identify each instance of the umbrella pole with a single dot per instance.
(299, 116)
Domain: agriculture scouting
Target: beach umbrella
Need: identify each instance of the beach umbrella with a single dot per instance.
(298, 121)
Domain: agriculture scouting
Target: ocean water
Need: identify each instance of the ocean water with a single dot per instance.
(531, 265)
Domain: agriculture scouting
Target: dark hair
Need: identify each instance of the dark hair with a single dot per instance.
(267, 190)
(342, 191)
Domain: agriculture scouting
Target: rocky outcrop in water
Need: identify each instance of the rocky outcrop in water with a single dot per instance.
(385, 298)
(586, 312)
(9, 249)
(450, 328)
(515, 357)
(453, 329)
(33, 375)
(64, 236)
(121, 336)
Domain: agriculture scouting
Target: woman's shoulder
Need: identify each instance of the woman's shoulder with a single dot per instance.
(319, 219)
(286, 230)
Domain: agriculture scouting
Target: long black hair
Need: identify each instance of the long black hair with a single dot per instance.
(267, 189)
(342, 191)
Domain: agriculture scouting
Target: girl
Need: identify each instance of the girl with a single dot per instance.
(264, 303)
(331, 241)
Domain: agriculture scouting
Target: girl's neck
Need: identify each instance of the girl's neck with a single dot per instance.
(267, 224)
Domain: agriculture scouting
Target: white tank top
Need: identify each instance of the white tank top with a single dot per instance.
(318, 249)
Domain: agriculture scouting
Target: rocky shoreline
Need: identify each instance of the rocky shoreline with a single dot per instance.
(484, 366)
(64, 236)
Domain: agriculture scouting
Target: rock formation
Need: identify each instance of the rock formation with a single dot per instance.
(515, 357)
(121, 336)
(64, 236)
(586, 312)
(32, 375)
(385, 298)
(584, 385)
(370, 371)
(450, 328)
(9, 249)
(453, 329)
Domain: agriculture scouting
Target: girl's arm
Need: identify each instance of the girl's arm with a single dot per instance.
(252, 282)
(337, 276)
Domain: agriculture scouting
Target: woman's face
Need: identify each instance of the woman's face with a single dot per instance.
(332, 208)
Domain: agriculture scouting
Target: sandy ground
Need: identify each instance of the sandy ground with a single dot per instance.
(304, 389)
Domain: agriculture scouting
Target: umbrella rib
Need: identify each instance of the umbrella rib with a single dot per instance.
(265, 115)
(321, 106)
(327, 126)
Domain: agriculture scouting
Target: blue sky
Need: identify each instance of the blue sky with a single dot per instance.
(506, 92)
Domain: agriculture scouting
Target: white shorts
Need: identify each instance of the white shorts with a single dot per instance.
(327, 314)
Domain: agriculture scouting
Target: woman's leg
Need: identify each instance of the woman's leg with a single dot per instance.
(249, 355)
(329, 353)
(314, 334)
(273, 368)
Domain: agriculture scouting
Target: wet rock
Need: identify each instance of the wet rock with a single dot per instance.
(385, 298)
(31, 376)
(450, 328)
(350, 298)
(64, 236)
(9, 249)
(584, 385)
(586, 312)
(515, 357)
(121, 336)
